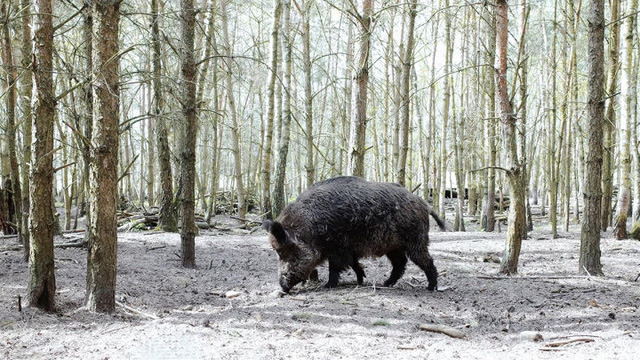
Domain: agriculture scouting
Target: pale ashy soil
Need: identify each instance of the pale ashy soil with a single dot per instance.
(184, 314)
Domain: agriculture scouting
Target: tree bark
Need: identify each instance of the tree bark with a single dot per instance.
(26, 88)
(591, 224)
(517, 219)
(308, 105)
(610, 115)
(235, 126)
(42, 280)
(168, 217)
(268, 143)
(626, 122)
(102, 254)
(357, 133)
(189, 133)
(11, 130)
(406, 93)
(283, 146)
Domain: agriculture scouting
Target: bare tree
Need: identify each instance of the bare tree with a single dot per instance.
(268, 142)
(515, 175)
(627, 114)
(102, 254)
(189, 133)
(406, 92)
(361, 81)
(591, 224)
(168, 217)
(42, 279)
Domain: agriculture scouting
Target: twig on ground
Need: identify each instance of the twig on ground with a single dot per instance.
(157, 247)
(444, 329)
(567, 342)
(136, 311)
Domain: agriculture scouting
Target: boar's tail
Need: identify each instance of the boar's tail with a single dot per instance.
(438, 220)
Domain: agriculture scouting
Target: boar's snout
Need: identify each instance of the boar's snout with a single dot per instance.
(287, 283)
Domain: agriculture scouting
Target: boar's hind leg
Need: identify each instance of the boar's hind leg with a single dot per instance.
(398, 260)
(420, 256)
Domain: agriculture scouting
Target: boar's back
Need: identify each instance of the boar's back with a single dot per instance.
(350, 213)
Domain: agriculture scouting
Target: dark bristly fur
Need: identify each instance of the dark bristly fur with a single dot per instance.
(346, 218)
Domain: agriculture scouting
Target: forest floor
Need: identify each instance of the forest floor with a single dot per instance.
(230, 306)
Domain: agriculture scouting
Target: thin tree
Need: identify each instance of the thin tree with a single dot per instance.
(591, 224)
(102, 254)
(189, 133)
(357, 139)
(268, 142)
(406, 92)
(11, 130)
(283, 144)
(517, 219)
(42, 280)
(610, 115)
(308, 104)
(168, 216)
(26, 87)
(231, 102)
(627, 113)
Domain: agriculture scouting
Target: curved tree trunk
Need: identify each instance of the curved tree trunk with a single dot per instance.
(515, 175)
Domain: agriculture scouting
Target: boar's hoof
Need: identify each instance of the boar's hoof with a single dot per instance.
(330, 285)
(432, 286)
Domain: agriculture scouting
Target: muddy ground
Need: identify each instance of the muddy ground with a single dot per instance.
(230, 308)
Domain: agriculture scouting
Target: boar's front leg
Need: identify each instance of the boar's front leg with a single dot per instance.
(398, 260)
(337, 264)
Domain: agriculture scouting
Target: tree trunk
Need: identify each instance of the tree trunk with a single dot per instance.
(102, 254)
(235, 126)
(591, 224)
(11, 130)
(268, 143)
(517, 219)
(626, 122)
(357, 133)
(87, 114)
(283, 144)
(168, 217)
(406, 93)
(308, 95)
(42, 280)
(488, 216)
(610, 115)
(189, 134)
(26, 88)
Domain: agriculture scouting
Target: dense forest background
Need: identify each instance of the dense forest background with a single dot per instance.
(237, 106)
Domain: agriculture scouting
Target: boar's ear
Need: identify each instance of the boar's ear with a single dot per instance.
(279, 233)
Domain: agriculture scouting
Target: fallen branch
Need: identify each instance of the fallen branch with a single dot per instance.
(567, 342)
(443, 329)
(136, 311)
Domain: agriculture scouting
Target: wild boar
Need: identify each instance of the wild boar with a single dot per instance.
(343, 219)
